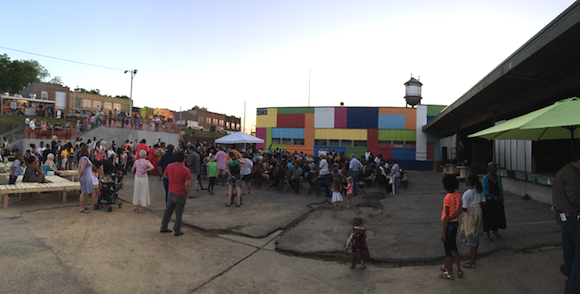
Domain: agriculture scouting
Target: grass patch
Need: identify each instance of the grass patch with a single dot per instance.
(19, 119)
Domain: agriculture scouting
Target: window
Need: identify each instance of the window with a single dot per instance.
(97, 105)
(221, 122)
(297, 141)
(398, 144)
(201, 119)
(360, 143)
(108, 106)
(321, 142)
(228, 124)
(87, 103)
(275, 140)
(333, 142)
(286, 141)
(117, 106)
(237, 126)
(384, 144)
(346, 143)
(44, 95)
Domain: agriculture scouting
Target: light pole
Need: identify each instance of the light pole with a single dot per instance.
(133, 73)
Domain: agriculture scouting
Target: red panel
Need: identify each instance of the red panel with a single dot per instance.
(386, 152)
(290, 120)
(372, 139)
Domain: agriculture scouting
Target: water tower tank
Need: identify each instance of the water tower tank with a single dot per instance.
(413, 92)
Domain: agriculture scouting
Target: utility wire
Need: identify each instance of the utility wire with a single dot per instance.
(62, 59)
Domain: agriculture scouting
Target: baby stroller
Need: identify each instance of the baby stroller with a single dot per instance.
(108, 194)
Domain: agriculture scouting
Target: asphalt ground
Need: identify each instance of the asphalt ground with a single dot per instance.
(274, 243)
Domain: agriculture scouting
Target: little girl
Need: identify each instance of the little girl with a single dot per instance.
(451, 210)
(336, 196)
(349, 187)
(358, 237)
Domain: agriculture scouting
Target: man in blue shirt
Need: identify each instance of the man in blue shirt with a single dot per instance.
(165, 160)
(354, 167)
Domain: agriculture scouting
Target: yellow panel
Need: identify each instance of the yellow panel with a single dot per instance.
(269, 120)
(338, 134)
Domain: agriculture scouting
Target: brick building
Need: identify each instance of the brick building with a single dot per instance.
(64, 97)
(207, 119)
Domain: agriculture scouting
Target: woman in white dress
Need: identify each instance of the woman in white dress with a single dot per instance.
(141, 184)
(472, 221)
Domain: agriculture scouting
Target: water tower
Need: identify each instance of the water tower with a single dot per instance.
(413, 92)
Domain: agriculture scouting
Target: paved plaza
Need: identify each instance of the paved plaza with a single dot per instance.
(272, 244)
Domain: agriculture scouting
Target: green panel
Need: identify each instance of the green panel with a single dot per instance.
(296, 110)
(358, 151)
(433, 110)
(268, 137)
(282, 147)
(397, 135)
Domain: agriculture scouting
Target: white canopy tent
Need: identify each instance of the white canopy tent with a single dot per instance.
(239, 138)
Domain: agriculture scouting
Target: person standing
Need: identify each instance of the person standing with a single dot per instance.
(220, 158)
(85, 177)
(354, 167)
(179, 177)
(15, 169)
(141, 191)
(566, 199)
(141, 146)
(193, 162)
(165, 160)
(493, 210)
(246, 172)
(395, 176)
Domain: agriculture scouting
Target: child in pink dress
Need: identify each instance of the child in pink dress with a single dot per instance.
(349, 187)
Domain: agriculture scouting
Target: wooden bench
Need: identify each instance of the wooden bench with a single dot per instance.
(6, 168)
(56, 184)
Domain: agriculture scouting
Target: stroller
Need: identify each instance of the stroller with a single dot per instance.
(109, 191)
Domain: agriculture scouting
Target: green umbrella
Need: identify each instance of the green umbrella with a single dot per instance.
(560, 120)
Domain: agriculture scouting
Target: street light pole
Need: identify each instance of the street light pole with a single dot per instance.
(133, 73)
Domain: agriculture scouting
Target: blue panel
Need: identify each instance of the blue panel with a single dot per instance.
(289, 133)
(362, 118)
(436, 146)
(392, 121)
(403, 153)
(430, 117)
(330, 148)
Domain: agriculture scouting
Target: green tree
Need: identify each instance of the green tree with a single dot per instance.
(92, 91)
(56, 80)
(122, 96)
(15, 75)
(198, 107)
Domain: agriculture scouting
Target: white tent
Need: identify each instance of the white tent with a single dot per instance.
(239, 138)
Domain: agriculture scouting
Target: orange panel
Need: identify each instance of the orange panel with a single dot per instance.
(410, 115)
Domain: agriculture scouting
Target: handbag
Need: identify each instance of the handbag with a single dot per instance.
(391, 180)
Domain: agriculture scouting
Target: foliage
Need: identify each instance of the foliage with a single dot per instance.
(122, 96)
(198, 107)
(15, 75)
(92, 91)
(56, 80)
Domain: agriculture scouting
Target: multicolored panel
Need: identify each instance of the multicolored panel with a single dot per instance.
(340, 134)
(324, 117)
(392, 121)
(309, 131)
(290, 120)
(362, 118)
(409, 113)
(397, 135)
(266, 117)
(292, 110)
(261, 133)
(289, 133)
(340, 117)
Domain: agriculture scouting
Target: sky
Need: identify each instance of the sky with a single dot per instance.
(220, 54)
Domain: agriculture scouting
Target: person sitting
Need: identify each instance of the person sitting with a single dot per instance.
(57, 126)
(369, 174)
(33, 174)
(49, 165)
(14, 150)
(295, 175)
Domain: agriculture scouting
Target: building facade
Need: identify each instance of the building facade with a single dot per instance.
(207, 119)
(67, 100)
(391, 131)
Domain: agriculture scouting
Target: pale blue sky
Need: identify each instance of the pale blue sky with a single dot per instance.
(219, 54)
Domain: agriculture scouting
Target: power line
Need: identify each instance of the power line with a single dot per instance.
(62, 59)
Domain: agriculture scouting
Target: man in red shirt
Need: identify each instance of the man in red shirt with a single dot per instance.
(141, 146)
(178, 176)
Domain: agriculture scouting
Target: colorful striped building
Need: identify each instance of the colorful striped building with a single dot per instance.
(391, 131)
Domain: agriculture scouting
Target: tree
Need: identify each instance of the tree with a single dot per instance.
(92, 91)
(17, 74)
(198, 107)
(56, 80)
(122, 96)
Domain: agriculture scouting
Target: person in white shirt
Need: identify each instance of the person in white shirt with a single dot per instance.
(354, 167)
(472, 220)
(367, 155)
(32, 124)
(246, 173)
(395, 176)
